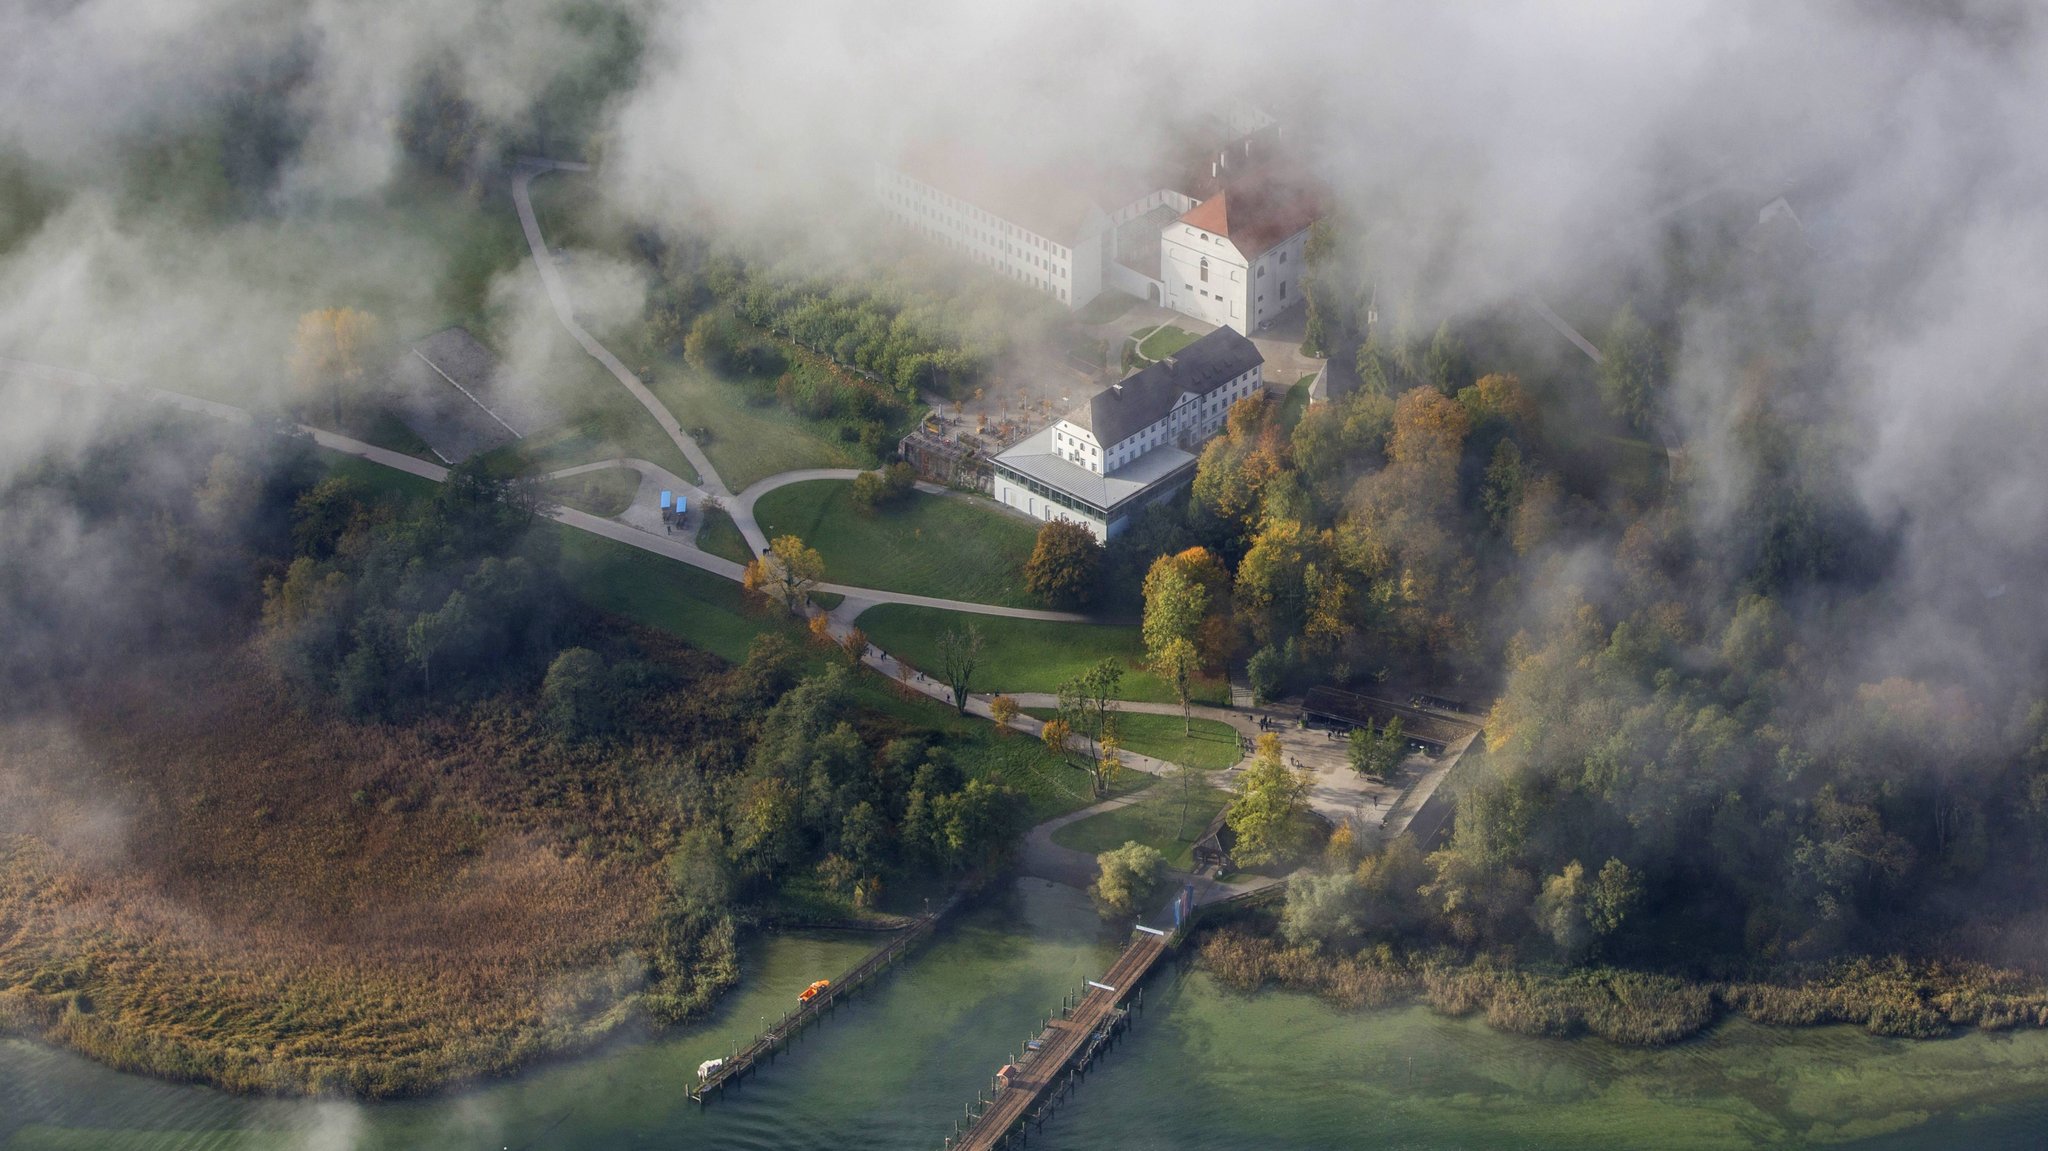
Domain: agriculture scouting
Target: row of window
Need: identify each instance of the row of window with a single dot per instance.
(1050, 494)
(962, 208)
(1015, 273)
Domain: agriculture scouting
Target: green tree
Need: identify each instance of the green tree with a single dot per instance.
(1267, 671)
(573, 695)
(1322, 909)
(1127, 877)
(1444, 364)
(959, 655)
(1375, 754)
(1177, 666)
(1266, 807)
(1631, 369)
(1065, 565)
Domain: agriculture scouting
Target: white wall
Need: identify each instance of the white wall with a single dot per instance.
(1281, 284)
(1220, 300)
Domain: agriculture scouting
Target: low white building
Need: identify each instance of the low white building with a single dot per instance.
(1134, 443)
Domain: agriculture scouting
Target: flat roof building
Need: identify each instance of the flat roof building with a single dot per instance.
(1134, 443)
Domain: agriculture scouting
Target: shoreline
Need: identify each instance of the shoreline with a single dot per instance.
(1886, 996)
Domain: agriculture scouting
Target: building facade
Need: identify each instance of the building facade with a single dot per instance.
(1221, 240)
(1134, 443)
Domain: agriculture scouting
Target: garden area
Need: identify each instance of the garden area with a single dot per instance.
(952, 547)
(1161, 342)
(1028, 655)
(1165, 817)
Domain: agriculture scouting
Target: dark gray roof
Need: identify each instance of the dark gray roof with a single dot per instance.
(1147, 396)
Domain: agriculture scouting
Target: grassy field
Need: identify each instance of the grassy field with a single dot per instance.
(721, 537)
(700, 608)
(1028, 655)
(1159, 819)
(601, 493)
(954, 547)
(1164, 341)
(745, 443)
(1211, 746)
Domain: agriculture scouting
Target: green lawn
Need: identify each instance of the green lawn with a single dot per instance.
(951, 546)
(701, 608)
(745, 443)
(602, 493)
(1161, 818)
(721, 537)
(1164, 341)
(1027, 655)
(1211, 746)
(376, 477)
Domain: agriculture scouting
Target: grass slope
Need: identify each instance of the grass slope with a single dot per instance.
(1028, 655)
(1156, 820)
(1211, 746)
(745, 443)
(954, 547)
(1164, 341)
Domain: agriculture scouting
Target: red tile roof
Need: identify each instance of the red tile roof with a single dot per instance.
(1255, 215)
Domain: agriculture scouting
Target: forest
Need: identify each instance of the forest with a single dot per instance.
(1680, 772)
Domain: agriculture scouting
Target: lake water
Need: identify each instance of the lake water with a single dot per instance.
(1201, 1069)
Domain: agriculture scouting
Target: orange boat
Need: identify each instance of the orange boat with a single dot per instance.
(811, 992)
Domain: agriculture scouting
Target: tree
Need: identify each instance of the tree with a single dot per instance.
(959, 655)
(1054, 733)
(1187, 778)
(1110, 763)
(1630, 369)
(1266, 806)
(855, 644)
(1002, 709)
(1065, 565)
(1375, 754)
(1322, 908)
(873, 491)
(1444, 364)
(1127, 877)
(790, 570)
(1267, 671)
(573, 693)
(1177, 665)
(1098, 695)
(329, 350)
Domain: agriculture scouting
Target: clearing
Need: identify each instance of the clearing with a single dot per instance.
(950, 546)
(601, 493)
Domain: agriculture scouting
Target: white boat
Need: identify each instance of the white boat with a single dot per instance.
(705, 1068)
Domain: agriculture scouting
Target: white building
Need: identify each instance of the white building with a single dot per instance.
(1236, 258)
(1220, 239)
(1037, 232)
(1134, 443)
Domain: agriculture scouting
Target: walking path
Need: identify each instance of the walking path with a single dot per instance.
(558, 296)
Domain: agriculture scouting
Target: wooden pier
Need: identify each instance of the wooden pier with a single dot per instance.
(1064, 1049)
(771, 1042)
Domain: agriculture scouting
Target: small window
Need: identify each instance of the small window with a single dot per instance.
(1283, 289)
(1205, 270)
(1283, 257)
(1262, 271)
(1205, 235)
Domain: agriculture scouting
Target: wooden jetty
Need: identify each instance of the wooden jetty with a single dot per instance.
(1053, 1062)
(1064, 1049)
(771, 1042)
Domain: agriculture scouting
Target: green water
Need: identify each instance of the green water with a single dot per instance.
(1201, 1069)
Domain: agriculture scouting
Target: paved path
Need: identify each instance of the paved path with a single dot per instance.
(558, 296)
